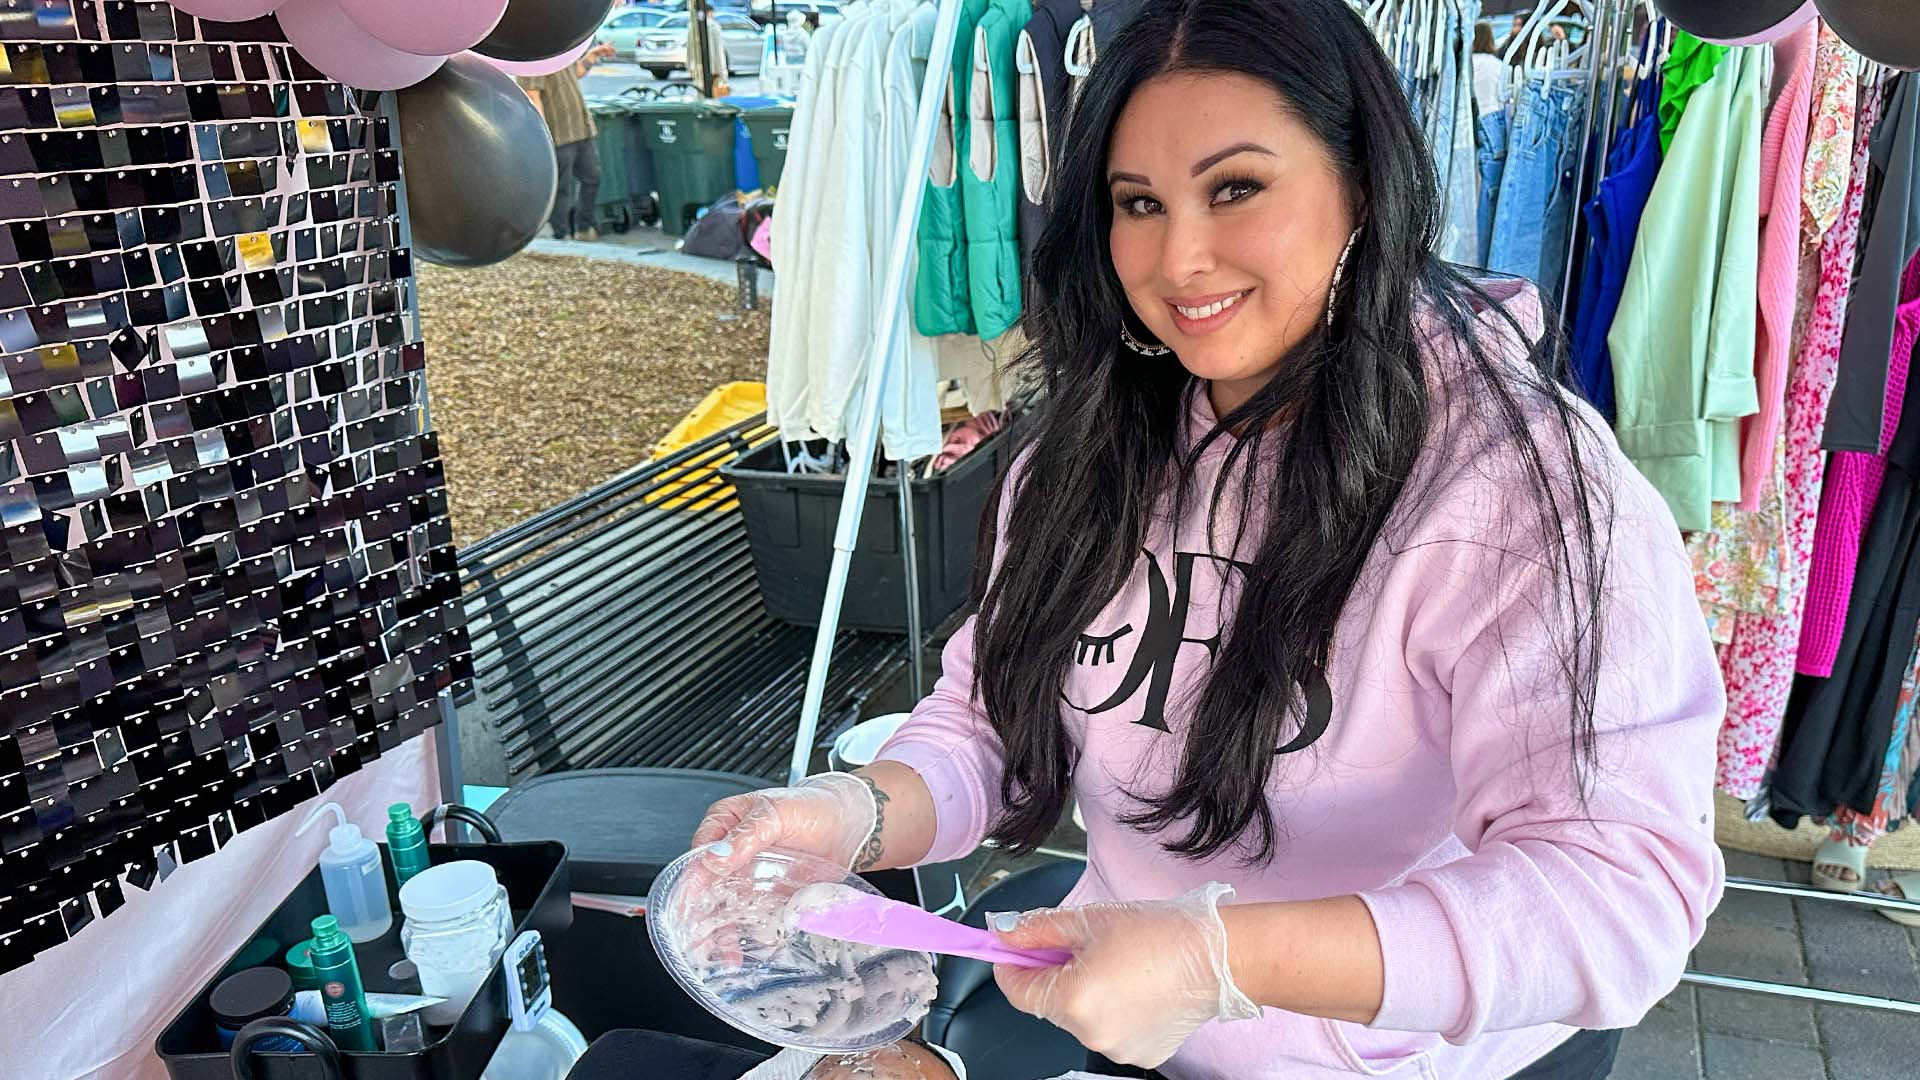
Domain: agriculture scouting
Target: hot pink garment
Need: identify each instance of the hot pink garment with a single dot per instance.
(1783, 157)
(1846, 503)
(1758, 662)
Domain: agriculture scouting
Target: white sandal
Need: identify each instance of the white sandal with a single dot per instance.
(1909, 886)
(1833, 852)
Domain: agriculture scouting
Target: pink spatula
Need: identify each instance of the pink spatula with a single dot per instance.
(836, 911)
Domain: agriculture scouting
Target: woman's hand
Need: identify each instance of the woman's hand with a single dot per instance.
(1144, 976)
(833, 816)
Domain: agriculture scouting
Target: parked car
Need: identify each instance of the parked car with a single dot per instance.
(663, 49)
(765, 10)
(624, 27)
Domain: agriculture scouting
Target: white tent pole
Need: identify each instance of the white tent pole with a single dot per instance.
(880, 361)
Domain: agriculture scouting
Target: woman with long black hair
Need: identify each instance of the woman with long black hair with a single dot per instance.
(1374, 668)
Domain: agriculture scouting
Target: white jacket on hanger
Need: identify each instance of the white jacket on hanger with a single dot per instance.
(852, 137)
(910, 406)
(787, 378)
(844, 250)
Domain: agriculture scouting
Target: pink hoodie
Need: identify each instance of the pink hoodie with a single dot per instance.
(1441, 793)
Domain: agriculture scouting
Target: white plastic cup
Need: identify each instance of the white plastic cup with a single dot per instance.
(861, 743)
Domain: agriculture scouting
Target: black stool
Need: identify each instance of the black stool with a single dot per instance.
(621, 828)
(642, 1055)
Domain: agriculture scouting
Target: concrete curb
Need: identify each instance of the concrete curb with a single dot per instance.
(664, 258)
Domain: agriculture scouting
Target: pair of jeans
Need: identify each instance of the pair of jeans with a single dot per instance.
(578, 163)
(1533, 220)
(1439, 121)
(1588, 1055)
(1492, 153)
(1459, 194)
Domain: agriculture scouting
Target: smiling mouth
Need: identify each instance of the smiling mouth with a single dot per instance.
(1203, 317)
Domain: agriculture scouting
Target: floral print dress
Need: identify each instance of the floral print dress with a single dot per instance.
(1760, 645)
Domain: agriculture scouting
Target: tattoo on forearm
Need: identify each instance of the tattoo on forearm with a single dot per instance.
(869, 856)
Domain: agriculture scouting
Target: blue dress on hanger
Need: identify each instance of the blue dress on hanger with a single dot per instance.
(1613, 221)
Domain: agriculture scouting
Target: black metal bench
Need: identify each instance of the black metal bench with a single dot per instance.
(624, 627)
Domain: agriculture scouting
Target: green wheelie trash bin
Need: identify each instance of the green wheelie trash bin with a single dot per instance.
(620, 191)
(768, 126)
(691, 143)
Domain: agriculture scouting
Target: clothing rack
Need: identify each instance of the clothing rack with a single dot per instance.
(862, 446)
(1613, 36)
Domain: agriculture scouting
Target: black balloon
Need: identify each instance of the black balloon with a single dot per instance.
(478, 164)
(1883, 30)
(1727, 18)
(537, 29)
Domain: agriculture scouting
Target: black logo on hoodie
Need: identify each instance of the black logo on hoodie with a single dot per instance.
(1158, 651)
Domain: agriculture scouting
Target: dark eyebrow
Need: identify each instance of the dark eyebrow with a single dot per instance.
(1131, 178)
(1211, 160)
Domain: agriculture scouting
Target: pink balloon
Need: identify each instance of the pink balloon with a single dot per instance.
(551, 64)
(227, 10)
(426, 27)
(1773, 33)
(324, 37)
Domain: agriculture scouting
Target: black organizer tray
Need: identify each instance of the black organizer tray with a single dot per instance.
(540, 895)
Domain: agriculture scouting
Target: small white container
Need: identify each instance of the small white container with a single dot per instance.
(457, 926)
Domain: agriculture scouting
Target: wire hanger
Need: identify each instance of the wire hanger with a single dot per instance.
(1542, 20)
(1541, 54)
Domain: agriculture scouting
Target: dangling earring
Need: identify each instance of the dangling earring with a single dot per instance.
(1128, 339)
(1339, 273)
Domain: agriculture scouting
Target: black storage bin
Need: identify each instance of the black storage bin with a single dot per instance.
(790, 520)
(621, 828)
(535, 874)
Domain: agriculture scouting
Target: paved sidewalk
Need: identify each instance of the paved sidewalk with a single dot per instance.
(1710, 1034)
(649, 247)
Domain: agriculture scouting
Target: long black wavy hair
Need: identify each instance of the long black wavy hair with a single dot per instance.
(1355, 403)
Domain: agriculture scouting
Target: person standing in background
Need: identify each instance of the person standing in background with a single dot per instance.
(715, 55)
(1488, 70)
(561, 105)
(1519, 24)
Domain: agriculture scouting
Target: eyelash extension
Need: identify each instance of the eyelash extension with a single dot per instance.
(1123, 200)
(1095, 651)
(1225, 182)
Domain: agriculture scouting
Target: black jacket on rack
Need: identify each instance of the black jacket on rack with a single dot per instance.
(1834, 745)
(1052, 23)
(1854, 414)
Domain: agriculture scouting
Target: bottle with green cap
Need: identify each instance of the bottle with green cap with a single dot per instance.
(300, 966)
(341, 991)
(406, 843)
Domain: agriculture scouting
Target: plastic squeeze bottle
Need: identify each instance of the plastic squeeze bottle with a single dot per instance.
(350, 870)
(340, 989)
(406, 843)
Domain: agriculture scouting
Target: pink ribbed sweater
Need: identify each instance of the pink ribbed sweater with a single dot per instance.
(1783, 144)
(1846, 504)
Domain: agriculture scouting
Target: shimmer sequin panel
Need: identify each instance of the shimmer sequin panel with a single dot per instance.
(226, 571)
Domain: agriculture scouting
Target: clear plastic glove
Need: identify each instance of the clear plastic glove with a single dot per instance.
(831, 816)
(1144, 976)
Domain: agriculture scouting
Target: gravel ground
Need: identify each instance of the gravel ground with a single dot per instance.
(550, 374)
